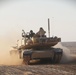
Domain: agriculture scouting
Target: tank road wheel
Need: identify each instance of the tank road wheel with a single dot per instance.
(26, 60)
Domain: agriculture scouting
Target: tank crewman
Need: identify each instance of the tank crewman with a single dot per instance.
(31, 34)
(41, 32)
(23, 33)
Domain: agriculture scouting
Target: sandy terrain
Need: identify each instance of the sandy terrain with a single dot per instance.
(41, 68)
(61, 69)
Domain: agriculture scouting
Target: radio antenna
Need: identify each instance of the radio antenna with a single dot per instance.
(48, 27)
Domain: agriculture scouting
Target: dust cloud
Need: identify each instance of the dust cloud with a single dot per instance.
(5, 57)
(66, 57)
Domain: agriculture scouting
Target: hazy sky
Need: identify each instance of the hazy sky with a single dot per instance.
(16, 15)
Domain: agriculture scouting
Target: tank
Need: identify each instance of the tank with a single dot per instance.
(39, 46)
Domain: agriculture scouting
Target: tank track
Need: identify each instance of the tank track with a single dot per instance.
(26, 60)
(57, 56)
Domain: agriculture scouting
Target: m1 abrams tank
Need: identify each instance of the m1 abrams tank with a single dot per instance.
(39, 46)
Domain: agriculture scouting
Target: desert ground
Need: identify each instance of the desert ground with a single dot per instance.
(67, 66)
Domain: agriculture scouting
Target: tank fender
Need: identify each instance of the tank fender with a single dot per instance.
(27, 52)
(58, 50)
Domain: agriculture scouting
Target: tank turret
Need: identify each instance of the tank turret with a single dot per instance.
(39, 39)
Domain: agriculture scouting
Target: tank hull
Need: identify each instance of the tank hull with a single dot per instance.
(54, 54)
